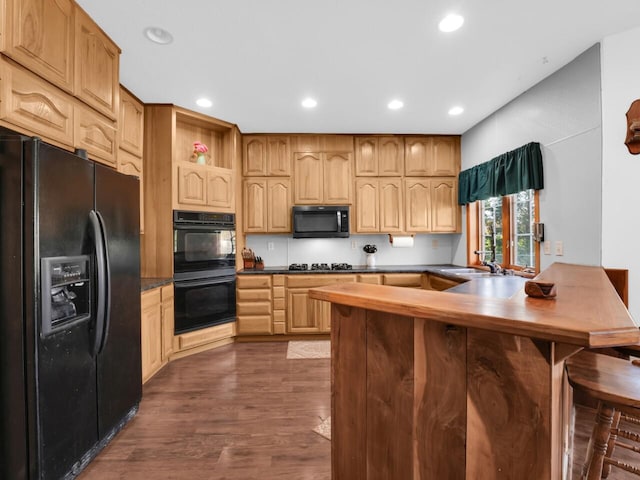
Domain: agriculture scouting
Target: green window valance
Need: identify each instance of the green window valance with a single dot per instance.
(511, 172)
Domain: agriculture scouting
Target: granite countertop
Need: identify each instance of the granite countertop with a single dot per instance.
(150, 283)
(356, 269)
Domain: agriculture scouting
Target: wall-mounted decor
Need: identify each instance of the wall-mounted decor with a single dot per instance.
(632, 140)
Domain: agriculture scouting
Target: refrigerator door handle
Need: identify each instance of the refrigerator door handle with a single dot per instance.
(103, 300)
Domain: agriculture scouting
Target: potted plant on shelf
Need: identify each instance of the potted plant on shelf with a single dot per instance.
(370, 250)
(199, 150)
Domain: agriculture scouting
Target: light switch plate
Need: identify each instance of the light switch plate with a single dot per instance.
(559, 248)
(547, 247)
(270, 246)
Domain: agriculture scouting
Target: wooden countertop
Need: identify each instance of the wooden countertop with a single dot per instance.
(586, 312)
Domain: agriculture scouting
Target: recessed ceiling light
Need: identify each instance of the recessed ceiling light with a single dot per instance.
(204, 102)
(309, 103)
(451, 23)
(395, 104)
(158, 35)
(456, 110)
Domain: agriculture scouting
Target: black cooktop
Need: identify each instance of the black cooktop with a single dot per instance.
(320, 266)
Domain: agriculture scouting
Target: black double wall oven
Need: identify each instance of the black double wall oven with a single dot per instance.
(204, 251)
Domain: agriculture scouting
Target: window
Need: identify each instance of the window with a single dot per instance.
(504, 230)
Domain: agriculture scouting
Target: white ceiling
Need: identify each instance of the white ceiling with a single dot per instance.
(257, 59)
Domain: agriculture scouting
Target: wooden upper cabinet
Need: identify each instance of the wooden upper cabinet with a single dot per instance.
(446, 156)
(391, 205)
(34, 105)
(97, 64)
(366, 156)
(254, 156)
(379, 156)
(308, 178)
(254, 203)
(431, 156)
(96, 134)
(131, 128)
(40, 35)
(220, 188)
(338, 174)
(266, 155)
(278, 156)
(391, 156)
(279, 205)
(418, 153)
(445, 211)
(417, 204)
(192, 185)
(367, 205)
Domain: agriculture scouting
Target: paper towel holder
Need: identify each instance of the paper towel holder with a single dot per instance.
(403, 236)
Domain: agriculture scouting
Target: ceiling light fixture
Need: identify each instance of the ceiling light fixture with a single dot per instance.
(158, 35)
(456, 110)
(309, 103)
(451, 23)
(395, 104)
(204, 102)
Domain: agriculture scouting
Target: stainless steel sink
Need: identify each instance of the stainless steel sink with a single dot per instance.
(460, 271)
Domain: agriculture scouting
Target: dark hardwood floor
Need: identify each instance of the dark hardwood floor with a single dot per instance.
(240, 412)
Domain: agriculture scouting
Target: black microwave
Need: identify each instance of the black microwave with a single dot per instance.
(320, 221)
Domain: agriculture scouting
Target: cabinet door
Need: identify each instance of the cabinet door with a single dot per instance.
(254, 156)
(417, 156)
(167, 322)
(279, 205)
(367, 205)
(131, 126)
(337, 178)
(151, 333)
(301, 317)
(446, 157)
(390, 156)
(220, 188)
(34, 105)
(445, 209)
(132, 165)
(417, 194)
(391, 205)
(97, 64)
(366, 156)
(192, 185)
(39, 35)
(96, 134)
(321, 311)
(254, 194)
(308, 178)
(278, 157)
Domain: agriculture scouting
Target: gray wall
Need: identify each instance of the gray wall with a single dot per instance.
(563, 113)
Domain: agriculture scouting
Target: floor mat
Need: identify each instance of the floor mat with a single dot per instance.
(309, 349)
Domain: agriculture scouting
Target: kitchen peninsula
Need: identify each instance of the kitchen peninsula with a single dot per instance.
(433, 385)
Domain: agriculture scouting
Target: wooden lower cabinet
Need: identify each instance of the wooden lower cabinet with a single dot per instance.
(151, 333)
(409, 280)
(156, 329)
(253, 304)
(306, 315)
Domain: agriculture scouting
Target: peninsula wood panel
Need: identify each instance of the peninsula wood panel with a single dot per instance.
(439, 403)
(40, 35)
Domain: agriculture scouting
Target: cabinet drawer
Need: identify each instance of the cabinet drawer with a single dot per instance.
(403, 279)
(245, 295)
(254, 325)
(278, 292)
(303, 280)
(278, 280)
(253, 308)
(253, 281)
(35, 105)
(279, 303)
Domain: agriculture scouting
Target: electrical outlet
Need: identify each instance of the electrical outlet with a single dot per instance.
(547, 247)
(354, 245)
(270, 246)
(559, 248)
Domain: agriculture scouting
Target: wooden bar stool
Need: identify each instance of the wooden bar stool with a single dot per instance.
(615, 384)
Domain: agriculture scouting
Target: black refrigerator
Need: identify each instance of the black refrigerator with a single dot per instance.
(70, 366)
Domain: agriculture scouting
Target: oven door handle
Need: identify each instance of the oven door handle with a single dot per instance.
(202, 282)
(207, 228)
